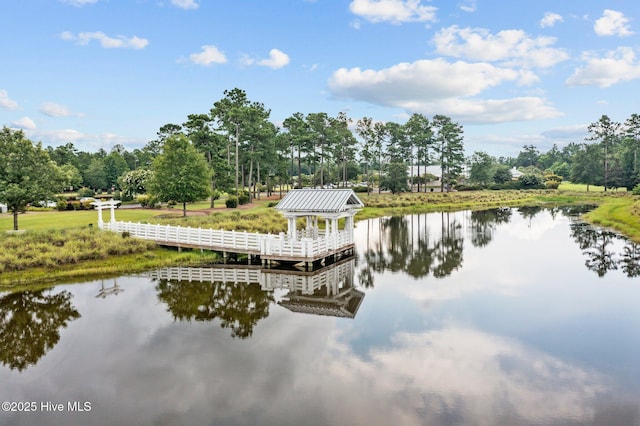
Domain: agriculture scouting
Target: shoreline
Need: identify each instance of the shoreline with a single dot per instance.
(617, 211)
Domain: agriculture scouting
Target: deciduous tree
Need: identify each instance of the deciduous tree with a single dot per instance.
(27, 174)
(181, 173)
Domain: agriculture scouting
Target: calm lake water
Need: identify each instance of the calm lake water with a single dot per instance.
(501, 317)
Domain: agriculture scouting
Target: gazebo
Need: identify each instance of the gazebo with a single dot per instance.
(329, 204)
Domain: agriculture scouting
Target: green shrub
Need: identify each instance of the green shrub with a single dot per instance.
(530, 181)
(272, 203)
(232, 202)
(146, 201)
(469, 187)
(505, 185)
(551, 184)
(636, 190)
(61, 205)
(86, 192)
(243, 198)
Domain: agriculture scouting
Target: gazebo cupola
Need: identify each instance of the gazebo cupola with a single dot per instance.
(329, 204)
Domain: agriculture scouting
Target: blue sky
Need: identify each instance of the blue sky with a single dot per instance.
(104, 72)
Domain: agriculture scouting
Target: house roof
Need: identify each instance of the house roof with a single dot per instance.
(319, 201)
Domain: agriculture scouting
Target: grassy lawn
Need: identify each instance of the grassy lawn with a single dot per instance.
(579, 187)
(37, 220)
(52, 219)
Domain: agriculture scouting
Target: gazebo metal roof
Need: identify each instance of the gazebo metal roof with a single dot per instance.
(319, 201)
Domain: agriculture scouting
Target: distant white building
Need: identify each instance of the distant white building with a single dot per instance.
(3, 208)
(515, 173)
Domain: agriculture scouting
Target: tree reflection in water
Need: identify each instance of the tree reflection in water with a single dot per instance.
(238, 306)
(600, 257)
(485, 222)
(405, 243)
(410, 244)
(30, 323)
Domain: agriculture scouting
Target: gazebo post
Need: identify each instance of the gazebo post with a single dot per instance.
(112, 208)
(99, 207)
(291, 229)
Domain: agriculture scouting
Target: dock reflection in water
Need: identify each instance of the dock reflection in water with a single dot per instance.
(239, 297)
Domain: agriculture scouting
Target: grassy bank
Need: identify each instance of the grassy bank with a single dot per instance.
(47, 256)
(620, 213)
(388, 205)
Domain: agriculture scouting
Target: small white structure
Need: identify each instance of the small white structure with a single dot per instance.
(515, 173)
(3, 208)
(111, 205)
(331, 205)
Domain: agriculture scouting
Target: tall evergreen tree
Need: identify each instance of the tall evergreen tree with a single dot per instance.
(298, 136)
(607, 133)
(450, 149)
(420, 138)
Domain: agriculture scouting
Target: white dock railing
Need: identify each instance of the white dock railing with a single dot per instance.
(235, 275)
(333, 277)
(269, 245)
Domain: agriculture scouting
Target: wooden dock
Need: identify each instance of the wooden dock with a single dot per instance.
(308, 245)
(278, 247)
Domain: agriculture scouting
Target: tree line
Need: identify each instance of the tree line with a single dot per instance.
(235, 148)
(608, 157)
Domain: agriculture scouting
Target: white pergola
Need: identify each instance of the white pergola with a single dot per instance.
(111, 204)
(329, 204)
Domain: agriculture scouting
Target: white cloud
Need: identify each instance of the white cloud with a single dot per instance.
(53, 137)
(612, 23)
(6, 102)
(185, 4)
(485, 111)
(427, 80)
(394, 11)
(209, 55)
(246, 60)
(468, 6)
(277, 59)
(83, 141)
(550, 19)
(79, 3)
(575, 132)
(616, 66)
(512, 47)
(107, 42)
(437, 86)
(53, 109)
(24, 123)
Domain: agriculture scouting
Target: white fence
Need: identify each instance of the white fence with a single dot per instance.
(334, 277)
(235, 275)
(267, 245)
